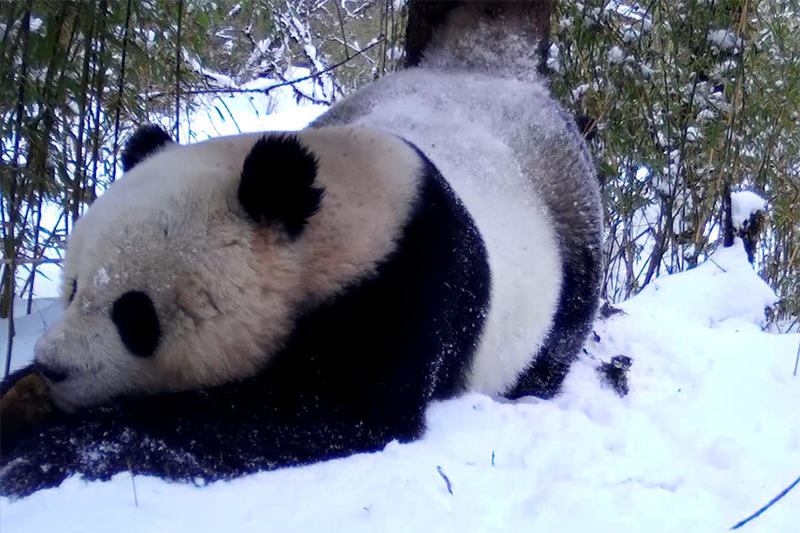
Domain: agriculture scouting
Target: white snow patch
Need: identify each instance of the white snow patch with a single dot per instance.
(743, 205)
(723, 288)
(29, 328)
(151, 38)
(101, 278)
(553, 60)
(632, 12)
(235, 10)
(579, 91)
(705, 115)
(724, 39)
(692, 133)
(630, 34)
(215, 79)
(724, 69)
(616, 55)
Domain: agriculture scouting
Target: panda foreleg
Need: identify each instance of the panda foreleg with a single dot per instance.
(205, 436)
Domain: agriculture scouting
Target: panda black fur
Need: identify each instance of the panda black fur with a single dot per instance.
(254, 302)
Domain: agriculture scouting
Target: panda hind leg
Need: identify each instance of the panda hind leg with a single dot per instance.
(572, 324)
(543, 378)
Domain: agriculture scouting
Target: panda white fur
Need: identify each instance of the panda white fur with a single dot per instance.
(263, 300)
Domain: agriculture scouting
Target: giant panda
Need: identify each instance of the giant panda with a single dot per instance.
(265, 300)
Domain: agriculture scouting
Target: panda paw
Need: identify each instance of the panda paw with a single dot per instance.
(85, 445)
(24, 473)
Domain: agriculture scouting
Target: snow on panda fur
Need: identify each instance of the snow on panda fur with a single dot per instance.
(260, 301)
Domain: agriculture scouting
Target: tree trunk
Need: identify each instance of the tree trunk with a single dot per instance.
(727, 216)
(424, 16)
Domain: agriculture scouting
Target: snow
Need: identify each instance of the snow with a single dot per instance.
(706, 115)
(632, 12)
(707, 435)
(234, 10)
(580, 90)
(215, 79)
(553, 61)
(279, 110)
(101, 278)
(743, 205)
(630, 34)
(44, 311)
(723, 39)
(616, 55)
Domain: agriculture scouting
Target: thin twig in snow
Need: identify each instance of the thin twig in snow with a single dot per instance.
(719, 267)
(133, 483)
(446, 479)
(771, 502)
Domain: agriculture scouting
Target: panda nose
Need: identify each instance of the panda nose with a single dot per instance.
(51, 374)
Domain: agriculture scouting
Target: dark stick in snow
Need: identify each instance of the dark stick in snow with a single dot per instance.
(446, 479)
(783, 493)
(133, 483)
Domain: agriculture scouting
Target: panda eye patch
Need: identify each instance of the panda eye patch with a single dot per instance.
(137, 322)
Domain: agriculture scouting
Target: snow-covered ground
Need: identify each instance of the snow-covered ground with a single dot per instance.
(709, 433)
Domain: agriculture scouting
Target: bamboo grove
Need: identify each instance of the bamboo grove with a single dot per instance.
(683, 103)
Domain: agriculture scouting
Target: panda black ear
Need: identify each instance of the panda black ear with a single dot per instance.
(145, 142)
(277, 184)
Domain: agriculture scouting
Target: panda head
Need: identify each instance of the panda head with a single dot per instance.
(191, 270)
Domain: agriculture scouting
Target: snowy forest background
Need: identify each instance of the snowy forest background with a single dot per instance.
(683, 104)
